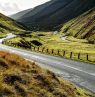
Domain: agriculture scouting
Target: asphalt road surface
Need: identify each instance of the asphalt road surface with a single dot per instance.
(82, 74)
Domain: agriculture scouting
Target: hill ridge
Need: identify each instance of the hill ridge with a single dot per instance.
(55, 12)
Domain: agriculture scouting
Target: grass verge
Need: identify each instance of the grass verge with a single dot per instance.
(22, 78)
(55, 42)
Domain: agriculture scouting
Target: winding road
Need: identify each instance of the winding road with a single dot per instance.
(82, 74)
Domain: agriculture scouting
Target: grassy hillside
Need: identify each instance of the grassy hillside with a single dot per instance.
(21, 78)
(50, 41)
(55, 12)
(82, 26)
(8, 25)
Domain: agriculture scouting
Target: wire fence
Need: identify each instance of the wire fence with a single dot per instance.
(89, 57)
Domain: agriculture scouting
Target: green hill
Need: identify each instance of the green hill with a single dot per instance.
(82, 27)
(50, 15)
(8, 25)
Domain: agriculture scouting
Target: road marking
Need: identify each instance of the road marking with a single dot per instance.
(43, 59)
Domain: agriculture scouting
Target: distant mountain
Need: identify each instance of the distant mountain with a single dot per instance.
(7, 24)
(82, 27)
(55, 12)
(19, 14)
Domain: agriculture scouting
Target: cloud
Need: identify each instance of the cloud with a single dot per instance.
(9, 8)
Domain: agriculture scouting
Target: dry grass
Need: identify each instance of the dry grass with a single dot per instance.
(21, 78)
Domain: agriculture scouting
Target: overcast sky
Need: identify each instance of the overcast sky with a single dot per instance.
(9, 7)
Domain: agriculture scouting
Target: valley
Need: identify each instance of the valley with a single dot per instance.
(8, 25)
(48, 50)
(51, 15)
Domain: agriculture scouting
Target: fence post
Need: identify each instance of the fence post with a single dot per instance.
(58, 52)
(64, 53)
(52, 51)
(38, 48)
(78, 55)
(47, 50)
(87, 57)
(43, 49)
(16, 45)
(31, 48)
(71, 55)
(34, 48)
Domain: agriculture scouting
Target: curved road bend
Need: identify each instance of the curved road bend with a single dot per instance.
(82, 74)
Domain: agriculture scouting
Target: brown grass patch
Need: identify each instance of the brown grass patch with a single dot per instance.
(21, 78)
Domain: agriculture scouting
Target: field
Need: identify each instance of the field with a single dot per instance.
(47, 40)
(2, 35)
(22, 78)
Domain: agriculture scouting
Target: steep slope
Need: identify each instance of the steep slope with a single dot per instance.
(21, 78)
(54, 13)
(82, 26)
(7, 24)
(19, 14)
